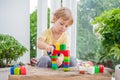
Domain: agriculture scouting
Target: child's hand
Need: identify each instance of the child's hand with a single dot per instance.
(60, 59)
(49, 48)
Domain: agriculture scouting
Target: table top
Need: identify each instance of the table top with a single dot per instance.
(35, 73)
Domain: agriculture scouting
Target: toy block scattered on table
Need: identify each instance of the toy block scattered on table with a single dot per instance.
(22, 70)
(18, 70)
(12, 70)
(89, 67)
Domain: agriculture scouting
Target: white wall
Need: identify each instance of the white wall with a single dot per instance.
(14, 20)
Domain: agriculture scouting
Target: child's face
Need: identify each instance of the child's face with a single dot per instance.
(60, 25)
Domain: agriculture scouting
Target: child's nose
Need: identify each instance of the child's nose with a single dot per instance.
(64, 27)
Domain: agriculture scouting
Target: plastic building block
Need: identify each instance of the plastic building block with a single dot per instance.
(12, 70)
(22, 70)
(17, 71)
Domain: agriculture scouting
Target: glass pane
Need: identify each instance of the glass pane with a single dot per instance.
(88, 45)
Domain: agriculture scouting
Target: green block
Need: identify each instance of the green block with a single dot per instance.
(66, 69)
(68, 60)
(55, 68)
(17, 71)
(63, 47)
(96, 69)
(54, 56)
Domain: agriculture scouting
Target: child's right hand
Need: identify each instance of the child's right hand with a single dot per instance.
(49, 48)
(60, 60)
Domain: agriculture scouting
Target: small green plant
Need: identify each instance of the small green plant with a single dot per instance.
(10, 49)
(108, 29)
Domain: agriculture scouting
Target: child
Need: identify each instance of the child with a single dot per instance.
(62, 19)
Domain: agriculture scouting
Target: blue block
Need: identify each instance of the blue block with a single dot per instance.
(66, 66)
(49, 53)
(54, 65)
(12, 70)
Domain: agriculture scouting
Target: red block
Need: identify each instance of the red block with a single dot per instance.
(64, 52)
(22, 70)
(54, 59)
(101, 67)
(55, 52)
(66, 63)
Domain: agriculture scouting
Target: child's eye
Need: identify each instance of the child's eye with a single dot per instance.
(61, 24)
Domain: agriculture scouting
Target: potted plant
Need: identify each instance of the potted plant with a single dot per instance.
(107, 28)
(10, 49)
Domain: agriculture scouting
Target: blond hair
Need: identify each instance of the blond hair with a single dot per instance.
(63, 13)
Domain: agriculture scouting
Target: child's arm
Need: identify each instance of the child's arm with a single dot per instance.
(44, 46)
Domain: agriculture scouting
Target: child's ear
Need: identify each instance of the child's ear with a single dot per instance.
(54, 19)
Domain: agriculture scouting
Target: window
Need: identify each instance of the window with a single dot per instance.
(88, 45)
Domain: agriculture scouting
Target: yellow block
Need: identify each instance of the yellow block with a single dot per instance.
(57, 46)
(53, 62)
(67, 58)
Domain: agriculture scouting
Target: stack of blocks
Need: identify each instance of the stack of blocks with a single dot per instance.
(61, 49)
(18, 70)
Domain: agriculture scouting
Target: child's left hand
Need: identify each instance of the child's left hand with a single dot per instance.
(60, 60)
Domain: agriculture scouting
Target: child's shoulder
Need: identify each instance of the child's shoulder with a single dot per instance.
(47, 30)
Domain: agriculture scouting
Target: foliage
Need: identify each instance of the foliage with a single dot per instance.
(108, 27)
(33, 33)
(88, 46)
(10, 49)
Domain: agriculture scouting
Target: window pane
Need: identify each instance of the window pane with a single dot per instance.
(88, 45)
